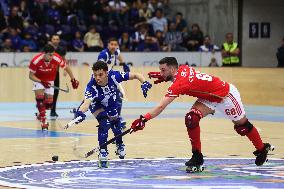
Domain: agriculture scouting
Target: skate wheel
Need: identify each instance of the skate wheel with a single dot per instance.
(121, 157)
(272, 148)
(103, 164)
(201, 168)
(194, 169)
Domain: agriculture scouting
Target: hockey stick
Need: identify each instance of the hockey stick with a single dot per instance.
(72, 122)
(60, 89)
(95, 150)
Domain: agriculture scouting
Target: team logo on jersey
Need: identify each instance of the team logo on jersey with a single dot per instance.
(123, 74)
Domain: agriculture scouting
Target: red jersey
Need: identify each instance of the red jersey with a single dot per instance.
(46, 71)
(190, 82)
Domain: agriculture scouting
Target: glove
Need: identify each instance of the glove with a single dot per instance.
(46, 84)
(79, 117)
(145, 87)
(75, 83)
(157, 75)
(138, 124)
(125, 67)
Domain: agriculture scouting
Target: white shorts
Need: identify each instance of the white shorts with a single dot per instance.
(232, 106)
(38, 86)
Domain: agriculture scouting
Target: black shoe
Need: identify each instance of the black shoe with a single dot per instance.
(261, 155)
(53, 115)
(196, 159)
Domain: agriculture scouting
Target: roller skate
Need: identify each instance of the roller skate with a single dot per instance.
(53, 115)
(120, 151)
(103, 161)
(44, 124)
(261, 155)
(195, 164)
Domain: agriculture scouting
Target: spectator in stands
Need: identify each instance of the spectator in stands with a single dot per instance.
(93, 40)
(3, 24)
(124, 42)
(181, 24)
(78, 43)
(30, 42)
(194, 38)
(133, 14)
(14, 20)
(230, 51)
(280, 54)
(161, 41)
(7, 45)
(119, 12)
(26, 48)
(159, 22)
(213, 63)
(53, 14)
(144, 12)
(173, 39)
(142, 41)
(207, 46)
(16, 39)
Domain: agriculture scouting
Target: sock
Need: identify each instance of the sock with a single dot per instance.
(194, 135)
(254, 137)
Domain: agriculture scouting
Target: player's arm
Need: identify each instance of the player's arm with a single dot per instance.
(85, 106)
(137, 76)
(139, 123)
(145, 86)
(158, 109)
(33, 77)
(75, 83)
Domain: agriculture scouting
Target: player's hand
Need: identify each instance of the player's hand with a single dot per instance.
(75, 83)
(145, 87)
(79, 117)
(46, 84)
(157, 75)
(138, 124)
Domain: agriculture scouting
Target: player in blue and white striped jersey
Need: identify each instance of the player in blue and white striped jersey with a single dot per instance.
(101, 100)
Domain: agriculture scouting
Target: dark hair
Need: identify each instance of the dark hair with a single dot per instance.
(61, 51)
(170, 61)
(100, 65)
(179, 13)
(112, 39)
(48, 49)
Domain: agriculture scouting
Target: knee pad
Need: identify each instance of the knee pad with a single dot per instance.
(48, 103)
(192, 118)
(243, 129)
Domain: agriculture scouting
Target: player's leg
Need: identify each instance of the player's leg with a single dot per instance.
(116, 127)
(232, 107)
(104, 125)
(53, 113)
(119, 107)
(192, 119)
(39, 91)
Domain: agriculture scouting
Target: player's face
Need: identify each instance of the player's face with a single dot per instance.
(48, 57)
(112, 46)
(101, 77)
(55, 40)
(167, 72)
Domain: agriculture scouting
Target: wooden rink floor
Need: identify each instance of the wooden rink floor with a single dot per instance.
(23, 142)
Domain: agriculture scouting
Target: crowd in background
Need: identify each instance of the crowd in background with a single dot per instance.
(140, 25)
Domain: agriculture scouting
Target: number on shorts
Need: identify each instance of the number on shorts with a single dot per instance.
(230, 111)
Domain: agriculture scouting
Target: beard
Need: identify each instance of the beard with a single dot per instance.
(169, 78)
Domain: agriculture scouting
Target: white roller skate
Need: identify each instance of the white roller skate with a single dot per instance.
(261, 155)
(195, 164)
(103, 161)
(120, 150)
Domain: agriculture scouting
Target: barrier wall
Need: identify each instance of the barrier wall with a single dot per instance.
(260, 86)
(136, 58)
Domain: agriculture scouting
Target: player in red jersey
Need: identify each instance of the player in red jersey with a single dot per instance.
(42, 72)
(213, 94)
